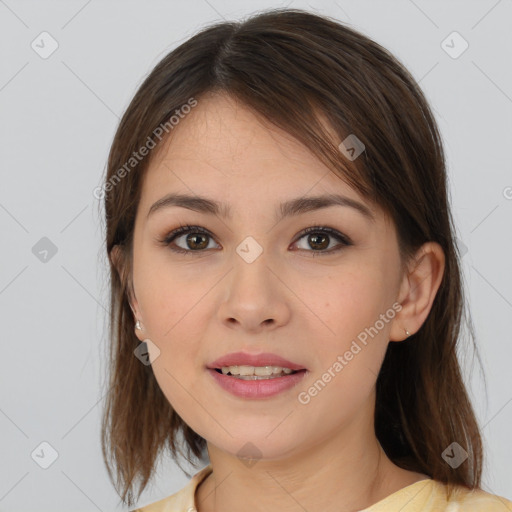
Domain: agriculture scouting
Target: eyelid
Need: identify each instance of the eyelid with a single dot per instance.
(322, 228)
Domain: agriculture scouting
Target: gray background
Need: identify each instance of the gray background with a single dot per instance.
(58, 117)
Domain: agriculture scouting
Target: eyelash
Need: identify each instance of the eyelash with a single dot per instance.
(186, 229)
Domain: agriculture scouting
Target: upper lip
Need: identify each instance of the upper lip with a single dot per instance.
(263, 359)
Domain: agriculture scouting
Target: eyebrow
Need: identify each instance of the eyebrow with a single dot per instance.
(289, 208)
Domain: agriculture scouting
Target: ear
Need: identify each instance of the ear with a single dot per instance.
(418, 290)
(118, 259)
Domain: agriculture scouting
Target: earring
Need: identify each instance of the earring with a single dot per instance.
(407, 333)
(137, 325)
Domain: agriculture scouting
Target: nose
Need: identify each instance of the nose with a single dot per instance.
(254, 297)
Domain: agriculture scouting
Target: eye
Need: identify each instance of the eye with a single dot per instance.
(319, 237)
(196, 238)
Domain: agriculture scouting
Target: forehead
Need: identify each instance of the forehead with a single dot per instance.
(227, 136)
(223, 149)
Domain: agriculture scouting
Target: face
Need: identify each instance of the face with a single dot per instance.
(253, 281)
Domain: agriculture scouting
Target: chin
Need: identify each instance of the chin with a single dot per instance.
(257, 447)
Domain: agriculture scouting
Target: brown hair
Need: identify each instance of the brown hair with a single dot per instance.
(296, 70)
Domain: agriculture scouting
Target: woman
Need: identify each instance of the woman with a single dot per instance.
(286, 290)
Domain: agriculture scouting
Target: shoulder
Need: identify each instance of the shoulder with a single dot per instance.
(181, 501)
(472, 500)
(432, 496)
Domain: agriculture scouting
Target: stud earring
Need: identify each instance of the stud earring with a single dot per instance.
(137, 325)
(407, 333)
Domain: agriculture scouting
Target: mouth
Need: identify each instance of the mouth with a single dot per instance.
(260, 382)
(244, 372)
(256, 376)
(247, 364)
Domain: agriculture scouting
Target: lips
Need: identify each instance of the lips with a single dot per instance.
(264, 359)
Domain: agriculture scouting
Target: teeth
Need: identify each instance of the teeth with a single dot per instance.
(258, 371)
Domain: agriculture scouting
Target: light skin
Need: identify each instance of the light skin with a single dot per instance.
(196, 307)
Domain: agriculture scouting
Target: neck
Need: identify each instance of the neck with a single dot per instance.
(335, 475)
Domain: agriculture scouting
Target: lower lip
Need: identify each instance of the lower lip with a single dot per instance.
(257, 388)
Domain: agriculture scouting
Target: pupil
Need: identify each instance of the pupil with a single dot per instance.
(316, 243)
(201, 246)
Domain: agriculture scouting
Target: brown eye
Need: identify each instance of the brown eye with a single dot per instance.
(318, 239)
(196, 239)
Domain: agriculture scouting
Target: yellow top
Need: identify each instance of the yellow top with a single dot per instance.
(423, 496)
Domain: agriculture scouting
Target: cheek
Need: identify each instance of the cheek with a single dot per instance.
(352, 303)
(173, 317)
(349, 360)
(170, 301)
(175, 324)
(359, 317)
